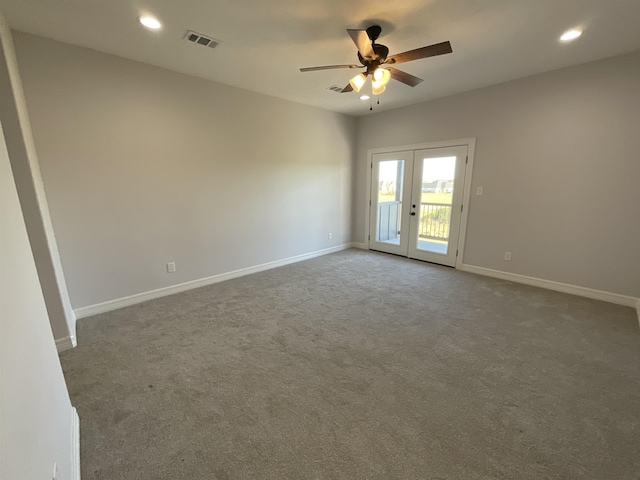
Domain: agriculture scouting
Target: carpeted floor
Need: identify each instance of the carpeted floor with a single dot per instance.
(359, 365)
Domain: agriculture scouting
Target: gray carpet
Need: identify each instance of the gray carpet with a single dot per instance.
(359, 365)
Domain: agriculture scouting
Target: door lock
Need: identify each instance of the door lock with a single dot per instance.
(413, 214)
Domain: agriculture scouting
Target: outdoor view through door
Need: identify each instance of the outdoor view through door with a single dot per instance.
(422, 221)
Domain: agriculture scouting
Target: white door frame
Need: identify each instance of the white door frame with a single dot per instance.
(470, 143)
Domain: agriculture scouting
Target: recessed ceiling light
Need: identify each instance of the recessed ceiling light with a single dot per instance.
(570, 35)
(364, 97)
(150, 22)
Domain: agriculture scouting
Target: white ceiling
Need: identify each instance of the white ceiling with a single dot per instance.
(265, 42)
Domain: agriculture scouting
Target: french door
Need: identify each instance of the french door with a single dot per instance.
(416, 203)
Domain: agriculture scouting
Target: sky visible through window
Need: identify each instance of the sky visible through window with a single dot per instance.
(442, 168)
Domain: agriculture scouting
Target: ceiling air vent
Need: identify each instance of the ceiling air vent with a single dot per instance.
(335, 88)
(198, 38)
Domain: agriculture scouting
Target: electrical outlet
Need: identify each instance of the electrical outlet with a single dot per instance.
(330, 236)
(171, 267)
(507, 256)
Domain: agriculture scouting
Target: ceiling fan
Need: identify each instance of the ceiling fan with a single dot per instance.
(375, 58)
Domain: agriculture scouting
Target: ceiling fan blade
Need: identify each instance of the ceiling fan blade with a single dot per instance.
(328, 67)
(347, 89)
(404, 77)
(424, 52)
(361, 39)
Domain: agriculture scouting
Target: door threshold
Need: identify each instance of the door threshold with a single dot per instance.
(414, 259)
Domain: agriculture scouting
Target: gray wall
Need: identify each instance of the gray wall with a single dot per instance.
(24, 162)
(143, 166)
(558, 155)
(35, 411)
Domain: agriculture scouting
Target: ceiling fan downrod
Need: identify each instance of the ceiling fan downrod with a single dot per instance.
(373, 32)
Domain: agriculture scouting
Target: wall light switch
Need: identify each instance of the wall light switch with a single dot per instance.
(507, 256)
(479, 190)
(330, 236)
(171, 267)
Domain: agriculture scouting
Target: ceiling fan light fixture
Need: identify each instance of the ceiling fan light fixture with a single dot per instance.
(382, 76)
(377, 87)
(358, 81)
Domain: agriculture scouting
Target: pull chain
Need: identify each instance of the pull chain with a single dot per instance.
(371, 103)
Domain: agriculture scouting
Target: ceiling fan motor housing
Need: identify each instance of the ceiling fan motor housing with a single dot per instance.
(381, 52)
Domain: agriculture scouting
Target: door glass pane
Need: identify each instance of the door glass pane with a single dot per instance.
(435, 206)
(390, 179)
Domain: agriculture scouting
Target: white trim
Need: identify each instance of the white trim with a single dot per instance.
(75, 446)
(110, 305)
(557, 286)
(72, 327)
(66, 343)
(470, 143)
(466, 199)
(361, 246)
(367, 199)
(638, 311)
(457, 142)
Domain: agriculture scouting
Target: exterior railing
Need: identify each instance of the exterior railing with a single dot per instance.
(434, 221)
(388, 221)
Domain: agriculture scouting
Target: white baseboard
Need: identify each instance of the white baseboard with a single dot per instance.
(362, 246)
(618, 299)
(110, 305)
(66, 343)
(75, 446)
